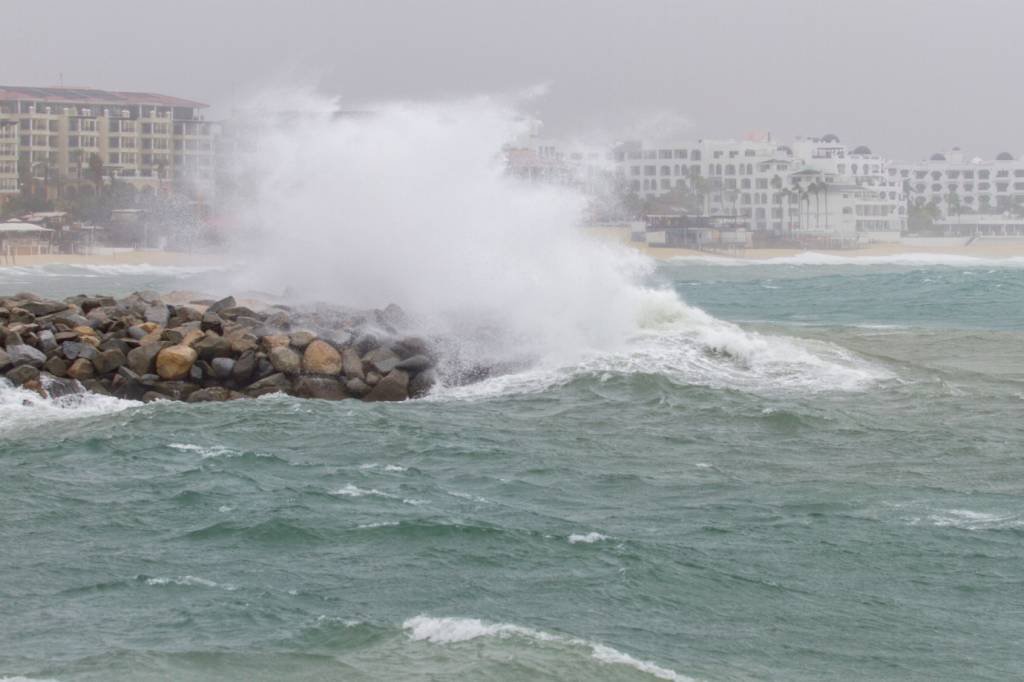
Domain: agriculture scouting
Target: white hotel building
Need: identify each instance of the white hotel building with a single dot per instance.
(816, 186)
(955, 184)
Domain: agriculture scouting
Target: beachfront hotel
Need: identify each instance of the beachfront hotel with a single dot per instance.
(150, 141)
(957, 185)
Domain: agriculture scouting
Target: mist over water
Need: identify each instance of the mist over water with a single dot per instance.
(410, 204)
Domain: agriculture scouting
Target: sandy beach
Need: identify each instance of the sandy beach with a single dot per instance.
(977, 250)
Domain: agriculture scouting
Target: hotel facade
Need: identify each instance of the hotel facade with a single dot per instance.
(149, 141)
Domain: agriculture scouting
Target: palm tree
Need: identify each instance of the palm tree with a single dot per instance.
(95, 172)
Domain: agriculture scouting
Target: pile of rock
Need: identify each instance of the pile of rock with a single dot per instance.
(143, 348)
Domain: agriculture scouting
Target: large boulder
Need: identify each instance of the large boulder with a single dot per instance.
(5, 360)
(82, 369)
(213, 394)
(175, 362)
(55, 366)
(22, 374)
(47, 341)
(157, 314)
(243, 368)
(383, 360)
(415, 363)
(324, 388)
(24, 354)
(357, 387)
(142, 360)
(41, 308)
(285, 360)
(222, 368)
(351, 364)
(108, 361)
(275, 383)
(222, 304)
(392, 388)
(421, 383)
(213, 346)
(301, 339)
(321, 358)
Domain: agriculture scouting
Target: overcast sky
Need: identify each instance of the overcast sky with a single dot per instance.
(906, 77)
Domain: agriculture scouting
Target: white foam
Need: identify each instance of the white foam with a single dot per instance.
(588, 538)
(189, 581)
(203, 451)
(350, 490)
(966, 519)
(20, 408)
(100, 270)
(20, 678)
(456, 630)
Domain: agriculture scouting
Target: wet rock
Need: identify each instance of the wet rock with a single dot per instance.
(321, 387)
(5, 360)
(222, 368)
(213, 346)
(285, 360)
(108, 361)
(157, 314)
(275, 383)
(16, 315)
(421, 384)
(213, 394)
(301, 339)
(372, 378)
(54, 365)
(24, 354)
(357, 387)
(243, 368)
(21, 374)
(142, 360)
(175, 390)
(364, 343)
(383, 360)
(41, 308)
(321, 358)
(212, 322)
(271, 341)
(59, 387)
(175, 362)
(239, 311)
(222, 304)
(415, 363)
(153, 396)
(352, 364)
(392, 388)
(47, 341)
(82, 369)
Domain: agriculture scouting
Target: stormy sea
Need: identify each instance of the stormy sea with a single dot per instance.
(801, 469)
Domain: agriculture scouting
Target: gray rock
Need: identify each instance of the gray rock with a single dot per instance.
(285, 360)
(382, 359)
(421, 384)
(19, 375)
(372, 378)
(47, 341)
(320, 387)
(212, 346)
(301, 339)
(5, 360)
(55, 366)
(108, 361)
(41, 308)
(238, 312)
(222, 367)
(175, 390)
(212, 322)
(357, 387)
(392, 388)
(351, 364)
(142, 360)
(117, 344)
(222, 304)
(415, 363)
(275, 383)
(58, 387)
(136, 332)
(153, 396)
(24, 354)
(158, 314)
(244, 367)
(13, 339)
(213, 394)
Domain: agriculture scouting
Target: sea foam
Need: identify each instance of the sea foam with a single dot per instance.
(21, 408)
(456, 630)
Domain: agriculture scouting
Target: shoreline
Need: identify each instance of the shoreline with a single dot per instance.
(986, 250)
(115, 257)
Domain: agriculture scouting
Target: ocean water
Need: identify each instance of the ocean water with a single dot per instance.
(818, 477)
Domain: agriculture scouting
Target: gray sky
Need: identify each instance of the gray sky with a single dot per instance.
(904, 77)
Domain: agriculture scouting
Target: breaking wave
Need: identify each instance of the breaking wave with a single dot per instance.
(456, 630)
(20, 407)
(815, 258)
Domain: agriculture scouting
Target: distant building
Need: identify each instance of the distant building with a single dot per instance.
(958, 185)
(814, 187)
(147, 140)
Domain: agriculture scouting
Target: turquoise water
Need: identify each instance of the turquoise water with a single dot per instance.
(831, 489)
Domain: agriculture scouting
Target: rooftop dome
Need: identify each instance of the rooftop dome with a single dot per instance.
(1004, 156)
(830, 137)
(862, 150)
(938, 157)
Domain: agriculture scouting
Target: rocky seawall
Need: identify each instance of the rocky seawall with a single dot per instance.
(142, 347)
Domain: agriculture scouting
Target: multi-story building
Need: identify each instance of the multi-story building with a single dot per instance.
(147, 140)
(958, 185)
(815, 186)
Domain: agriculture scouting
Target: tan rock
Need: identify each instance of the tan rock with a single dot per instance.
(174, 362)
(321, 358)
(191, 337)
(150, 327)
(85, 331)
(271, 341)
(81, 369)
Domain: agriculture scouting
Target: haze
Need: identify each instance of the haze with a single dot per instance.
(906, 78)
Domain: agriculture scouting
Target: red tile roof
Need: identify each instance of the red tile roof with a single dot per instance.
(91, 96)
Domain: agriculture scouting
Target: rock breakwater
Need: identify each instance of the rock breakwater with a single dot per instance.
(150, 347)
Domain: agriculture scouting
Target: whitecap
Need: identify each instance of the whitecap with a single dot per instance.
(456, 630)
(816, 258)
(350, 490)
(588, 538)
(966, 519)
(189, 581)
